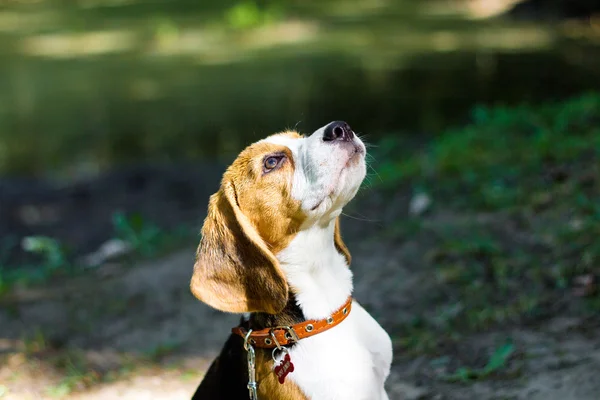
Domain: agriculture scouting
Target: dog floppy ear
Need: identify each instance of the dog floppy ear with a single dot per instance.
(339, 243)
(234, 270)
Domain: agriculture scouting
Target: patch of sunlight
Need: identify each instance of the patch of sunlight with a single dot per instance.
(72, 45)
(73, 373)
(187, 42)
(216, 47)
(399, 44)
(288, 33)
(141, 388)
(501, 38)
(470, 9)
(12, 21)
(481, 9)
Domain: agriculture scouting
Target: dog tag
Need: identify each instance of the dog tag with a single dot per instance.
(284, 368)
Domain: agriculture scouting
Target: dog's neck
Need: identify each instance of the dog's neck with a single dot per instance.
(319, 278)
(316, 272)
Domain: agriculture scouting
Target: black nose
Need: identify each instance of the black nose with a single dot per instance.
(338, 130)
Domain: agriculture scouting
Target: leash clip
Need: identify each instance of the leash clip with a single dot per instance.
(252, 385)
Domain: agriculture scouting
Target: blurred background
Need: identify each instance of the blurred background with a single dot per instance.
(474, 239)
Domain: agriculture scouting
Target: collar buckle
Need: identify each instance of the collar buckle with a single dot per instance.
(290, 335)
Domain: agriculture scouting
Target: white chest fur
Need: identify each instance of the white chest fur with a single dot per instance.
(350, 361)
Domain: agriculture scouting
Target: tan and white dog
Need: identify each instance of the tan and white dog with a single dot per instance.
(271, 248)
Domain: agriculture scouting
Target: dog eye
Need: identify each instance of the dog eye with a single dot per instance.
(271, 163)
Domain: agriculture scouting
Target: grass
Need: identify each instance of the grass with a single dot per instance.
(146, 238)
(142, 238)
(511, 156)
(522, 184)
(497, 362)
(53, 262)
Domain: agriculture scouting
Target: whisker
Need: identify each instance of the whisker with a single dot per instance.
(375, 172)
(369, 158)
(361, 219)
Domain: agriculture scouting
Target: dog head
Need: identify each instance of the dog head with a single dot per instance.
(274, 189)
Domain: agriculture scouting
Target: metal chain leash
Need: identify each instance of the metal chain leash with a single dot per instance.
(252, 385)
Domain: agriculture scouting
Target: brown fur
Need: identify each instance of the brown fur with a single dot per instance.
(339, 243)
(268, 385)
(250, 219)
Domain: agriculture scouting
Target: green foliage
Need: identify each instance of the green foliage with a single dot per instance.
(533, 173)
(247, 14)
(139, 233)
(496, 363)
(52, 257)
(146, 238)
(499, 159)
(50, 249)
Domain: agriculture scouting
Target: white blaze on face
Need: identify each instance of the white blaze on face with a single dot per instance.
(327, 174)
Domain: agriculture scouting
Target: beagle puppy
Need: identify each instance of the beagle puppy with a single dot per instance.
(271, 249)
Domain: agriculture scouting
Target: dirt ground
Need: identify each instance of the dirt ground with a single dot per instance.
(136, 332)
(142, 325)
